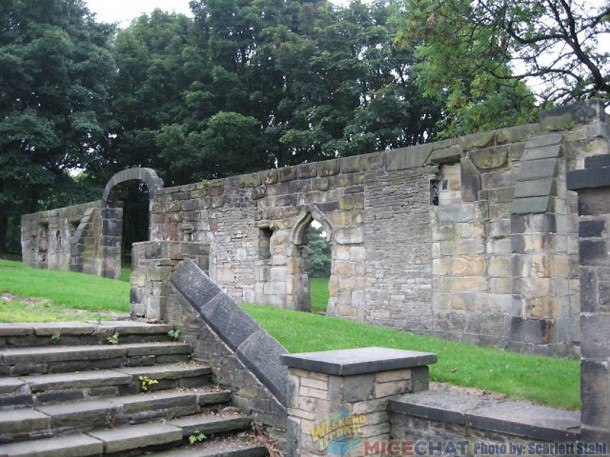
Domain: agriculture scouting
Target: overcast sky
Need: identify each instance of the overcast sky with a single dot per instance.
(123, 11)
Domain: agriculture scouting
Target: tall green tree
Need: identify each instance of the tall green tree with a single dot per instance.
(55, 68)
(154, 57)
(464, 66)
(477, 56)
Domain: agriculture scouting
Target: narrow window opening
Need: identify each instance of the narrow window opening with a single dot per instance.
(264, 243)
(434, 192)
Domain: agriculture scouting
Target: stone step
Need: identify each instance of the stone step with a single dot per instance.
(82, 416)
(137, 439)
(80, 333)
(57, 387)
(223, 447)
(60, 359)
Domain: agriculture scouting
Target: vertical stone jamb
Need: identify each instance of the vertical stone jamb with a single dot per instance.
(593, 186)
(337, 400)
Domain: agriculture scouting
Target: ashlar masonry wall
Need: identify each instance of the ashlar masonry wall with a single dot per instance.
(473, 238)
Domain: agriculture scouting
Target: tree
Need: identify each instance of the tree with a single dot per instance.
(156, 65)
(557, 41)
(56, 65)
(319, 255)
(463, 66)
(478, 55)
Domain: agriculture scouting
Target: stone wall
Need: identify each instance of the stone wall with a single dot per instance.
(153, 263)
(473, 238)
(593, 186)
(66, 239)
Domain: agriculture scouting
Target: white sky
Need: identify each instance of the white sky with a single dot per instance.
(124, 11)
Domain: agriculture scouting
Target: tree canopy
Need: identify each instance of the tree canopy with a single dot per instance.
(249, 85)
(55, 65)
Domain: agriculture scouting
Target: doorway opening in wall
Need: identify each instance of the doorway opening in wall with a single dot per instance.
(319, 261)
(134, 196)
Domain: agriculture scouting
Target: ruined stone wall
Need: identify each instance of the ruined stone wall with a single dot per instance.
(473, 238)
(67, 239)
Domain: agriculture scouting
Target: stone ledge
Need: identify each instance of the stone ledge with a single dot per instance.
(513, 418)
(348, 362)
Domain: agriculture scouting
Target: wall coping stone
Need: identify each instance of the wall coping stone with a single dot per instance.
(347, 362)
(254, 347)
(510, 417)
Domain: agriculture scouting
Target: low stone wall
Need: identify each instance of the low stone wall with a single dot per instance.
(244, 358)
(438, 423)
(153, 263)
(67, 239)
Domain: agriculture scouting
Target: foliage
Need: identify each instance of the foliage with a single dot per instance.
(466, 69)
(196, 437)
(319, 255)
(55, 338)
(56, 65)
(550, 381)
(113, 339)
(173, 334)
(477, 56)
(146, 383)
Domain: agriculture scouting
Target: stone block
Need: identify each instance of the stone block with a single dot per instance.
(262, 354)
(592, 252)
(490, 159)
(329, 167)
(232, 324)
(193, 284)
(531, 205)
(467, 266)
(538, 169)
(564, 117)
(537, 188)
(533, 331)
(448, 155)
(595, 391)
(595, 329)
(591, 228)
(407, 158)
(456, 213)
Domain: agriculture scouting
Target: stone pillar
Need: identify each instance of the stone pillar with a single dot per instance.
(112, 236)
(337, 400)
(593, 186)
(153, 263)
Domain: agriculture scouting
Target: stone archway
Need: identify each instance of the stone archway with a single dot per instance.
(112, 215)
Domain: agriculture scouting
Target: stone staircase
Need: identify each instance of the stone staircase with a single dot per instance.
(112, 388)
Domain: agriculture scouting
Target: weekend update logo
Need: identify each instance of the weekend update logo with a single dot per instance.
(340, 433)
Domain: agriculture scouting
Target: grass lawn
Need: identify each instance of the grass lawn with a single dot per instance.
(550, 381)
(318, 290)
(70, 290)
(62, 296)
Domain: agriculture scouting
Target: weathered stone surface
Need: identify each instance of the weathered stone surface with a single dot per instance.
(358, 361)
(490, 159)
(382, 202)
(261, 353)
(137, 437)
(68, 446)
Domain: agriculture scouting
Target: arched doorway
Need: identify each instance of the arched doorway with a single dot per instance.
(112, 213)
(311, 237)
